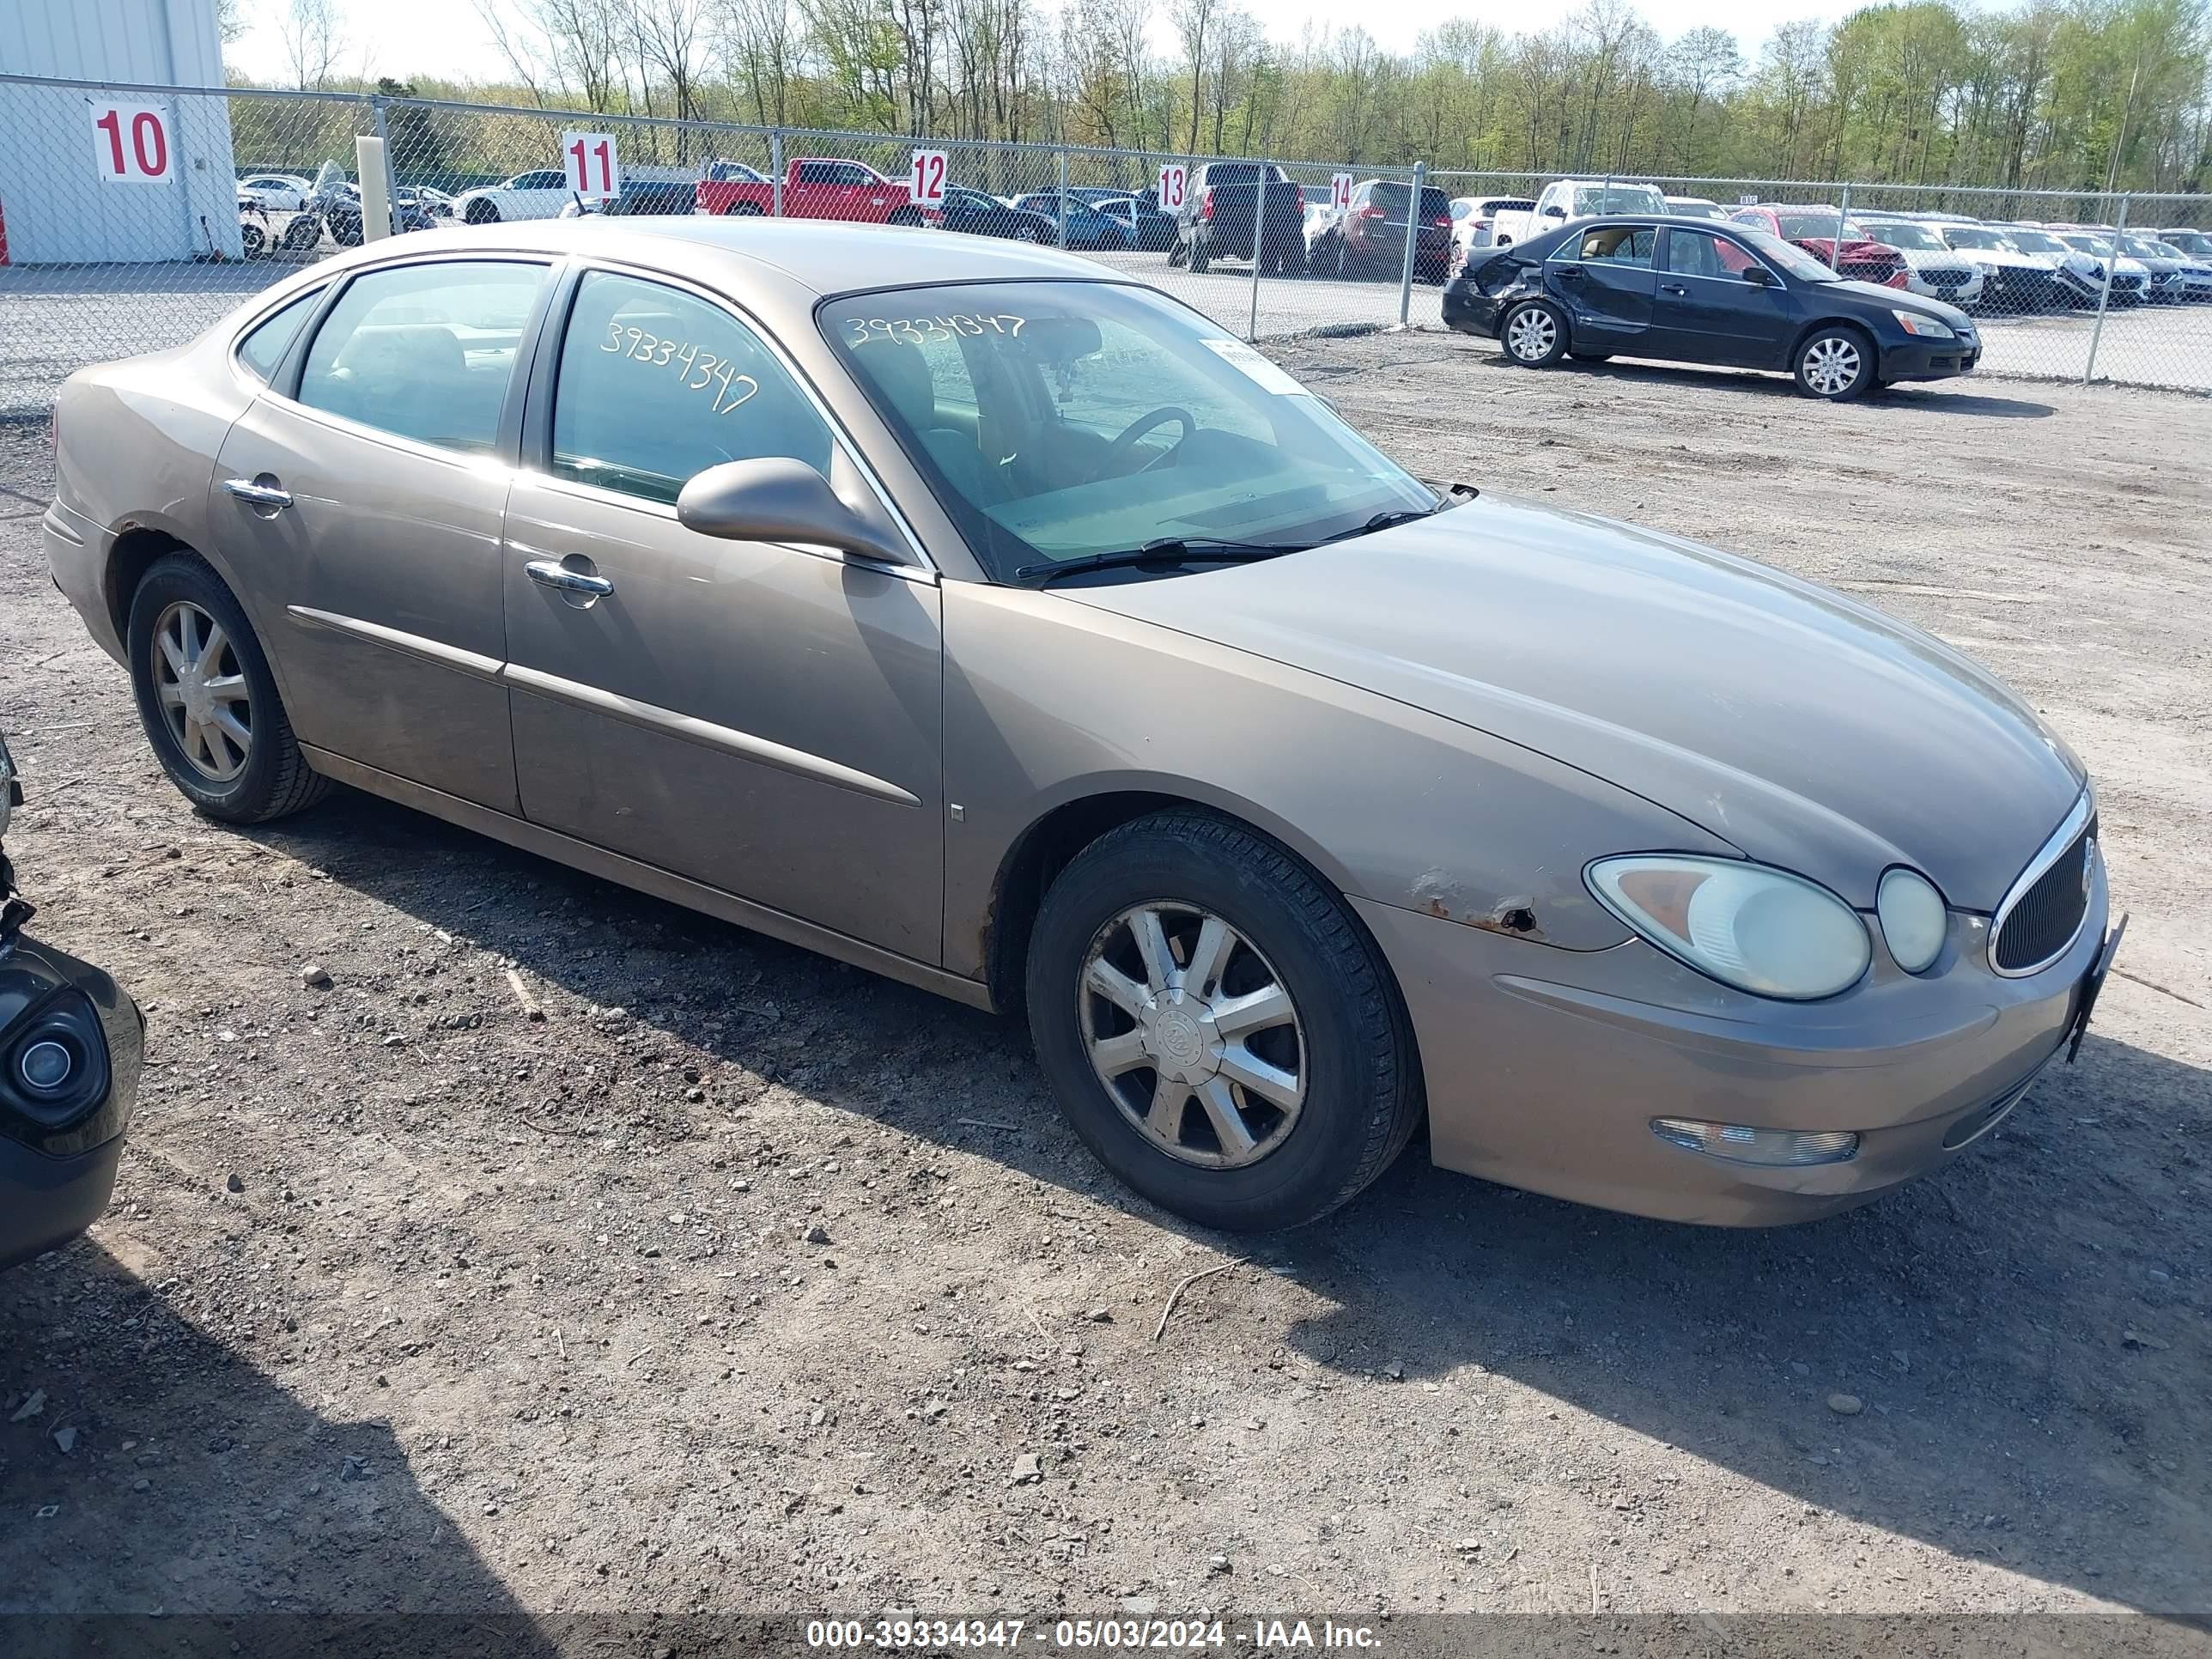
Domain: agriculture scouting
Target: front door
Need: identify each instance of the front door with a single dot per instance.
(761, 718)
(1604, 274)
(366, 500)
(1708, 312)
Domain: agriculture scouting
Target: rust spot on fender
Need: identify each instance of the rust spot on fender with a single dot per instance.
(1438, 894)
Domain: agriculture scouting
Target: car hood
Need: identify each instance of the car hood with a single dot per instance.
(1898, 299)
(1806, 729)
(2008, 257)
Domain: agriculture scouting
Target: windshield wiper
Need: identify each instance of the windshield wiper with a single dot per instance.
(1165, 551)
(1396, 515)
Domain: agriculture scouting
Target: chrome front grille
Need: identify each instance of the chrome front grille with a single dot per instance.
(2043, 914)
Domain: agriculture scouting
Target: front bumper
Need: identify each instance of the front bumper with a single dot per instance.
(1911, 357)
(55, 1182)
(1956, 294)
(1544, 1067)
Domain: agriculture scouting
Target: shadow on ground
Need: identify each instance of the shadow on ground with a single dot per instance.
(2024, 1339)
(1939, 397)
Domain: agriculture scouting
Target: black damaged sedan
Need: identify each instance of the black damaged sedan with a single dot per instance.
(1703, 292)
(70, 1045)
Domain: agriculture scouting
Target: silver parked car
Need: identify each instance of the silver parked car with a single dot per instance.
(1000, 624)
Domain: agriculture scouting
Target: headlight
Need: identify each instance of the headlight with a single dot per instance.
(1761, 930)
(1914, 919)
(1927, 327)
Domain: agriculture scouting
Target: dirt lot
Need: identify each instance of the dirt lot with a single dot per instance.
(408, 1301)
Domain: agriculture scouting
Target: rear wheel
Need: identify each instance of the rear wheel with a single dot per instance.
(905, 215)
(207, 701)
(482, 213)
(1217, 1029)
(1835, 364)
(1200, 259)
(743, 210)
(1535, 334)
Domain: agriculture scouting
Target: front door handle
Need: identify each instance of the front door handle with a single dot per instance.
(254, 493)
(1674, 287)
(551, 573)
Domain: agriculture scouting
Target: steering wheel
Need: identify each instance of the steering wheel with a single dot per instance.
(1119, 449)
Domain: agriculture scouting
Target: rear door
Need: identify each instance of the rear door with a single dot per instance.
(1706, 312)
(364, 489)
(1605, 276)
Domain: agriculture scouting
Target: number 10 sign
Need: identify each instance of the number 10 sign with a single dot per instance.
(594, 170)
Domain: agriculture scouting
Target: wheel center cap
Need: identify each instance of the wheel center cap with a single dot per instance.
(1178, 1035)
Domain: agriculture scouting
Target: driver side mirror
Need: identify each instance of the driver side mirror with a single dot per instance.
(1758, 276)
(776, 499)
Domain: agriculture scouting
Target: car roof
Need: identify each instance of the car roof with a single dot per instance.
(819, 254)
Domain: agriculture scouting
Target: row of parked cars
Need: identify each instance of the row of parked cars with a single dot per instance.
(2008, 267)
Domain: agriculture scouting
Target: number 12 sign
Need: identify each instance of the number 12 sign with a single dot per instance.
(130, 144)
(594, 168)
(926, 182)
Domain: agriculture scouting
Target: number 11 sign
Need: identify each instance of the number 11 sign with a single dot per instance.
(594, 168)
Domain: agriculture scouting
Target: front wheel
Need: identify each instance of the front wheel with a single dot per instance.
(1535, 334)
(1835, 364)
(207, 701)
(482, 213)
(1217, 1027)
(743, 210)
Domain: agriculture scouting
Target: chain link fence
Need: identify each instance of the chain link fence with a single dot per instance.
(132, 217)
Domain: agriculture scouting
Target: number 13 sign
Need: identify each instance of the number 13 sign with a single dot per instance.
(1172, 179)
(130, 143)
(594, 168)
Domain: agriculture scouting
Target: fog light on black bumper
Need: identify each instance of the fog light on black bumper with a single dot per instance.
(1740, 1143)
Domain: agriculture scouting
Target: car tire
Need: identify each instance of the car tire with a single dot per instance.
(1534, 334)
(1344, 1043)
(266, 776)
(905, 215)
(301, 235)
(1835, 363)
(743, 210)
(252, 241)
(1199, 258)
(1178, 253)
(482, 213)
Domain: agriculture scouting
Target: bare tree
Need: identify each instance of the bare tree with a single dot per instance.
(313, 32)
(1192, 19)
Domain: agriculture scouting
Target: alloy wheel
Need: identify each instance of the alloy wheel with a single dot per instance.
(1193, 1033)
(1832, 365)
(1532, 333)
(201, 687)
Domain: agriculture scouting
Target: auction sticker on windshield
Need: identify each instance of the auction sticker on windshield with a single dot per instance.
(1260, 369)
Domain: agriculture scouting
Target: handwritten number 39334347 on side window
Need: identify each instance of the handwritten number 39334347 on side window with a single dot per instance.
(695, 370)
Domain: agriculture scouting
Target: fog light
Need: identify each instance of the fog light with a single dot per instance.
(47, 1066)
(1739, 1143)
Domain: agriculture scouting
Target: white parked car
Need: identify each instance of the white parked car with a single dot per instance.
(2131, 277)
(539, 195)
(1565, 200)
(1695, 207)
(2013, 282)
(1931, 266)
(2081, 274)
(1473, 218)
(280, 192)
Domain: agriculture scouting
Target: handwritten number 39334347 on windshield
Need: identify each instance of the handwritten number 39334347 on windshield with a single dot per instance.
(695, 370)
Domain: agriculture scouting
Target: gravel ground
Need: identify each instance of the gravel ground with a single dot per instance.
(742, 1281)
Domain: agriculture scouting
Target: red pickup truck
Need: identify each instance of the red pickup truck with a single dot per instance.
(816, 188)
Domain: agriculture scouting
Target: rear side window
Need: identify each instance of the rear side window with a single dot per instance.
(265, 344)
(656, 384)
(425, 351)
(1620, 244)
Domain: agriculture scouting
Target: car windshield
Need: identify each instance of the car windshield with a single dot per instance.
(1619, 198)
(2096, 245)
(1392, 198)
(1814, 226)
(1034, 407)
(2195, 243)
(2036, 241)
(1786, 256)
(1906, 235)
(2143, 248)
(1688, 210)
(1974, 236)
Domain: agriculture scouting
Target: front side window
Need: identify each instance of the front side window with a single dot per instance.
(265, 344)
(425, 351)
(1617, 245)
(1059, 420)
(655, 386)
(1701, 254)
(540, 181)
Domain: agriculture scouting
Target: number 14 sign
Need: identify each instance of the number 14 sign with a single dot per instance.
(594, 168)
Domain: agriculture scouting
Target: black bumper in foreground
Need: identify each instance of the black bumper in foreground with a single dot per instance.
(1916, 359)
(71, 1046)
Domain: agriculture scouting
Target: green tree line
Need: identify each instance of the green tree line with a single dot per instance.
(2066, 95)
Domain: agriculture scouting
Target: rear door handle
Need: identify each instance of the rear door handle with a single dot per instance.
(1571, 273)
(551, 573)
(1674, 287)
(256, 494)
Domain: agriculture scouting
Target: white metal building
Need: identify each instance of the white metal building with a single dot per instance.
(73, 190)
